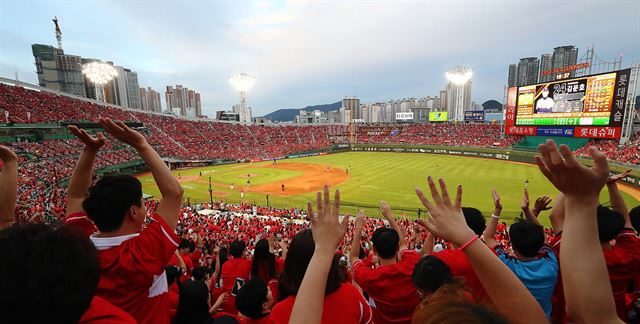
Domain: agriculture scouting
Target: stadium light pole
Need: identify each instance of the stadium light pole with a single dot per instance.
(210, 193)
(242, 82)
(99, 73)
(459, 76)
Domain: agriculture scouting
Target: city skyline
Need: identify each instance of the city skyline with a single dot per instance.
(304, 54)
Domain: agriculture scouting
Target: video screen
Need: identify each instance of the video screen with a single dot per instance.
(438, 116)
(584, 101)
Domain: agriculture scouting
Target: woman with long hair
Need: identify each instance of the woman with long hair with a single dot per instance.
(266, 265)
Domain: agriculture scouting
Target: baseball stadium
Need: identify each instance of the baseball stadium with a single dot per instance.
(122, 204)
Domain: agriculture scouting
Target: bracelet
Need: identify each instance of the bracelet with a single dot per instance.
(495, 216)
(464, 246)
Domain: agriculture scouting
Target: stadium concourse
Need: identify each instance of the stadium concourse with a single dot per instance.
(244, 263)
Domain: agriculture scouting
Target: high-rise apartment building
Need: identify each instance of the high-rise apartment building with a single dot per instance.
(352, 105)
(528, 71)
(181, 100)
(458, 100)
(513, 75)
(546, 63)
(150, 99)
(564, 56)
(58, 71)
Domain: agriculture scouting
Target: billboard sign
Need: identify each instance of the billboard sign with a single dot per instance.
(474, 115)
(588, 103)
(438, 116)
(404, 116)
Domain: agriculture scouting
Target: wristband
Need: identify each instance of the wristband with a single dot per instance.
(464, 246)
(495, 216)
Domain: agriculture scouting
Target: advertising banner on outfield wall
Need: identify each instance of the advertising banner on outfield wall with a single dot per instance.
(474, 115)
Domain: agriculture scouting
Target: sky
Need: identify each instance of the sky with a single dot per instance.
(315, 52)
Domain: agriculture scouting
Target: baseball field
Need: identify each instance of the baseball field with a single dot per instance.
(364, 179)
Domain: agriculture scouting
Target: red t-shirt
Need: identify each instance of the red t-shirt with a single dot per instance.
(103, 312)
(461, 266)
(234, 270)
(132, 268)
(187, 262)
(391, 288)
(558, 310)
(622, 266)
(345, 306)
(81, 221)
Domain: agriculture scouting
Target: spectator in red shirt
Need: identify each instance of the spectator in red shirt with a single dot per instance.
(458, 261)
(183, 249)
(51, 274)
(235, 272)
(343, 303)
(132, 260)
(388, 285)
(254, 301)
(431, 275)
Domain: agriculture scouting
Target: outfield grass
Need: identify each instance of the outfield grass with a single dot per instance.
(379, 176)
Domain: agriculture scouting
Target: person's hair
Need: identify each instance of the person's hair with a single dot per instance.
(184, 244)
(610, 224)
(385, 241)
(199, 273)
(297, 261)
(236, 248)
(47, 273)
(474, 220)
(110, 198)
(634, 215)
(442, 308)
(263, 259)
(173, 273)
(430, 273)
(250, 298)
(527, 237)
(193, 304)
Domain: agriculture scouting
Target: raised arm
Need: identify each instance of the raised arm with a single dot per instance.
(525, 208)
(509, 295)
(169, 187)
(81, 176)
(388, 215)
(489, 235)
(328, 231)
(557, 215)
(8, 186)
(617, 202)
(582, 261)
(541, 204)
(354, 251)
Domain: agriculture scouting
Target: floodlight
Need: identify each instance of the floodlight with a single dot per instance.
(99, 73)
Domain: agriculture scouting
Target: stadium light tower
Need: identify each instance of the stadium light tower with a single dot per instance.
(99, 73)
(459, 76)
(242, 82)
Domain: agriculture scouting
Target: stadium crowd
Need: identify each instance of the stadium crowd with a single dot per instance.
(117, 258)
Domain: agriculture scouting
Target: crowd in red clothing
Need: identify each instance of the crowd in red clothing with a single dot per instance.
(628, 153)
(478, 135)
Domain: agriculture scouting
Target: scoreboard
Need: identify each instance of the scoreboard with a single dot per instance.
(590, 106)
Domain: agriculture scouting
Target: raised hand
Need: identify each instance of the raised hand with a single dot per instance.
(615, 178)
(568, 175)
(525, 200)
(327, 230)
(7, 155)
(496, 201)
(90, 142)
(541, 204)
(360, 219)
(123, 133)
(445, 218)
(386, 211)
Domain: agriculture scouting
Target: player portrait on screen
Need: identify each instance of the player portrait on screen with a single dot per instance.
(545, 103)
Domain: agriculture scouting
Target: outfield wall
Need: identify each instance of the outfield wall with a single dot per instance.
(487, 153)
